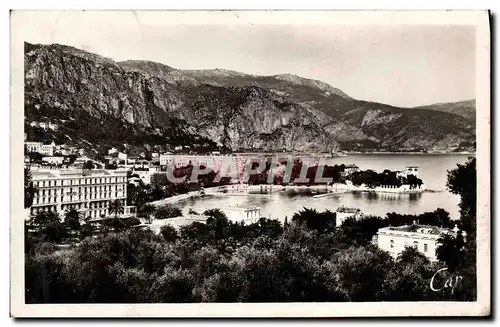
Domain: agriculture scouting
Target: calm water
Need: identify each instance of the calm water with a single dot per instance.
(432, 170)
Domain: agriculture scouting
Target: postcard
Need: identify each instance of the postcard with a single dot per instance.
(250, 163)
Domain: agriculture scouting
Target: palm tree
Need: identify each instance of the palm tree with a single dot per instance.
(45, 218)
(72, 218)
(116, 207)
(148, 210)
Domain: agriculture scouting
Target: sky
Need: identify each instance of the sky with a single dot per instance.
(404, 65)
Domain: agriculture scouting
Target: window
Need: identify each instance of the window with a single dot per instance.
(425, 247)
(392, 244)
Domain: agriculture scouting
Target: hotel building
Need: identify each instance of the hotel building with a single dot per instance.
(423, 237)
(88, 191)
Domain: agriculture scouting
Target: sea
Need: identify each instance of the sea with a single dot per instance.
(433, 170)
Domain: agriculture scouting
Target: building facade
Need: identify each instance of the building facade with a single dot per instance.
(344, 213)
(90, 192)
(349, 170)
(424, 238)
(410, 170)
(247, 215)
(47, 150)
(178, 161)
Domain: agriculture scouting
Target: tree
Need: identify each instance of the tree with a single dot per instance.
(148, 210)
(167, 212)
(217, 222)
(45, 218)
(320, 221)
(410, 278)
(462, 181)
(215, 213)
(88, 165)
(410, 255)
(116, 208)
(29, 189)
(451, 251)
(53, 232)
(72, 218)
(361, 272)
(169, 233)
(85, 231)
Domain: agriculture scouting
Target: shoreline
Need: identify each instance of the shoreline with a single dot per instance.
(274, 189)
(355, 153)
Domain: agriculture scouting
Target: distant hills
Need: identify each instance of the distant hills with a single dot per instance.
(466, 109)
(106, 103)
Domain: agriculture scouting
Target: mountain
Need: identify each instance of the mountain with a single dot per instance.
(466, 109)
(102, 102)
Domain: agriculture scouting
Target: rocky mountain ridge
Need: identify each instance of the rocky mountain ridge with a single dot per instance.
(237, 111)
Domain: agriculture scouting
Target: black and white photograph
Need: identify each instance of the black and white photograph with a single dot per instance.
(260, 158)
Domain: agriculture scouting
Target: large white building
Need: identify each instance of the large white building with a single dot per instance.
(90, 192)
(410, 170)
(178, 161)
(247, 215)
(423, 237)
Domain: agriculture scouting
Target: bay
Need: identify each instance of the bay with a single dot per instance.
(432, 170)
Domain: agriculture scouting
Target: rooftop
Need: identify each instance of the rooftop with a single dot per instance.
(195, 217)
(347, 210)
(37, 174)
(419, 229)
(237, 208)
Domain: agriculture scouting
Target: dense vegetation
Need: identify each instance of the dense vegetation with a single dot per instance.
(387, 178)
(306, 259)
(103, 131)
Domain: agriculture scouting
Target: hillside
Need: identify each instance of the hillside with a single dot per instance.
(106, 102)
(466, 109)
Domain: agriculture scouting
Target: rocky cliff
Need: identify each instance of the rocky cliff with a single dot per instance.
(236, 111)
